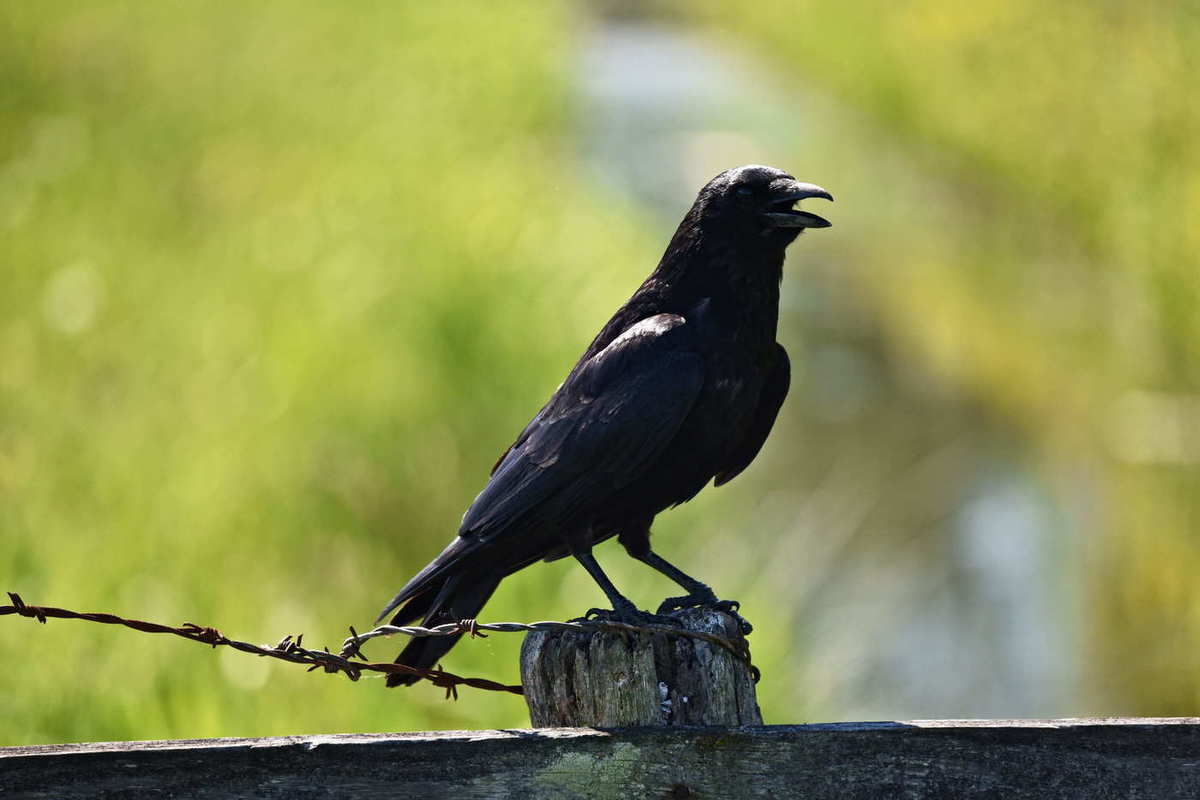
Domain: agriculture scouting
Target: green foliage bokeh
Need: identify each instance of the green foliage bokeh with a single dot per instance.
(1043, 259)
(281, 280)
(278, 280)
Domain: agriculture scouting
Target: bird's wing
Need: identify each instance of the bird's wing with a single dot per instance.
(606, 424)
(769, 402)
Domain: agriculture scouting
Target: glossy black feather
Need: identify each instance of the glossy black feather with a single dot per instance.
(679, 388)
(774, 392)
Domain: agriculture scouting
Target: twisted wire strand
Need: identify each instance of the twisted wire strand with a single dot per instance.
(475, 628)
(291, 648)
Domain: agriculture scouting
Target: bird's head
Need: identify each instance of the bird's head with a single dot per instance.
(759, 201)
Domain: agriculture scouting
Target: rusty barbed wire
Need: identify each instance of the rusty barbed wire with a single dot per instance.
(475, 628)
(291, 648)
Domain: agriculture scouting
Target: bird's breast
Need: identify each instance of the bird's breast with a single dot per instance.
(729, 399)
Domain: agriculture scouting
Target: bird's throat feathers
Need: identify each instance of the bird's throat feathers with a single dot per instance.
(739, 272)
(716, 251)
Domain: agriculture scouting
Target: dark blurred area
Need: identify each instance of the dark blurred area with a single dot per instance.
(282, 281)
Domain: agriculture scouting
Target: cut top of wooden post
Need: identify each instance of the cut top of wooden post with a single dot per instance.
(608, 679)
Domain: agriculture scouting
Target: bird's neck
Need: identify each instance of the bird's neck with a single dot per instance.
(741, 276)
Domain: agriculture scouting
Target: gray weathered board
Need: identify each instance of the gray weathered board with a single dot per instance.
(1093, 759)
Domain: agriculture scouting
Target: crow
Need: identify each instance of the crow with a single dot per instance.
(680, 388)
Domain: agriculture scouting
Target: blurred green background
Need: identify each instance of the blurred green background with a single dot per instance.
(281, 280)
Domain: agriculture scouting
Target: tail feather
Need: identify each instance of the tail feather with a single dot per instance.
(454, 597)
(428, 581)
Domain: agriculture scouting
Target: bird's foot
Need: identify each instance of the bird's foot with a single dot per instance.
(629, 614)
(706, 599)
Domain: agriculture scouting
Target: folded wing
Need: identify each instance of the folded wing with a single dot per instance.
(604, 427)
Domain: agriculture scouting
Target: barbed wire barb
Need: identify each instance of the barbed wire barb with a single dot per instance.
(291, 648)
(352, 645)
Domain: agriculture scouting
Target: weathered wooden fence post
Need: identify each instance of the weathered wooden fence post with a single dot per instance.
(610, 679)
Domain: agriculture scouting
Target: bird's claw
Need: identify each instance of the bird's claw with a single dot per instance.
(707, 600)
(592, 614)
(701, 599)
(630, 615)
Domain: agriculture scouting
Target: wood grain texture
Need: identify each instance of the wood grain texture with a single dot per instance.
(1017, 759)
(609, 680)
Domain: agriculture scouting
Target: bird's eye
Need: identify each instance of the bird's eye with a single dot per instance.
(744, 191)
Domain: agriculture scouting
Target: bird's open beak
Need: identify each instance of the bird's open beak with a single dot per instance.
(780, 214)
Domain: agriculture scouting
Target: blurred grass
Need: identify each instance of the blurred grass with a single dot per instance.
(1053, 272)
(281, 281)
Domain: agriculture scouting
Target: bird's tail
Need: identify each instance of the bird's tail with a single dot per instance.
(448, 599)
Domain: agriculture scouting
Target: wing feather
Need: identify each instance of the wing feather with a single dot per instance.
(770, 401)
(605, 426)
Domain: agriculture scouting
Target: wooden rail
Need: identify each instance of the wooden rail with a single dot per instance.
(1011, 759)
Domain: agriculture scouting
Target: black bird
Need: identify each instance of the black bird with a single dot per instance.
(680, 388)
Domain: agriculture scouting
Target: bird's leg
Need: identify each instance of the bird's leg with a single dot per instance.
(698, 593)
(620, 603)
(623, 609)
